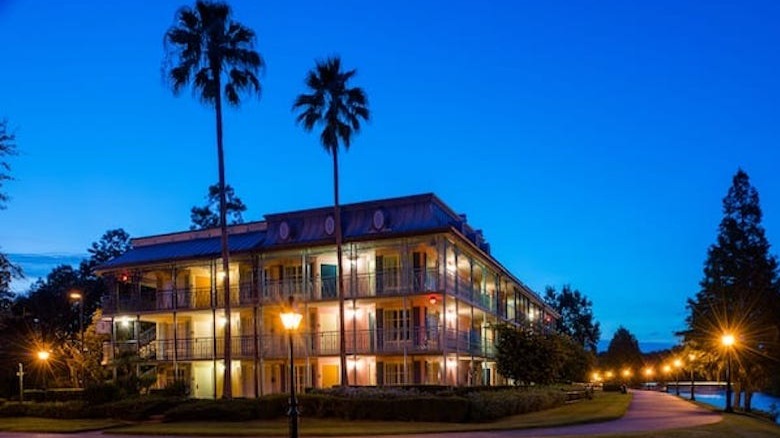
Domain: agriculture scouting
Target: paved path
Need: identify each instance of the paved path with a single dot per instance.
(649, 411)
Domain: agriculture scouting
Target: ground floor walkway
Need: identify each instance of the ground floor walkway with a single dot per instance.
(649, 411)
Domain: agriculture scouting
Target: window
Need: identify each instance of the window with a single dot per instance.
(392, 268)
(293, 279)
(394, 374)
(397, 325)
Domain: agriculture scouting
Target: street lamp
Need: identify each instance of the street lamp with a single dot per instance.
(691, 358)
(728, 341)
(43, 356)
(291, 320)
(77, 296)
(677, 366)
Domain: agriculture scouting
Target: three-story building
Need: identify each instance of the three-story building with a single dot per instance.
(423, 295)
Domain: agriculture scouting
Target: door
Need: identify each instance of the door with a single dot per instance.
(328, 275)
(330, 376)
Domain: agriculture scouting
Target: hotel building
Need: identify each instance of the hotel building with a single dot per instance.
(422, 297)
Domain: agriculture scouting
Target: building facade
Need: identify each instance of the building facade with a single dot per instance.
(422, 298)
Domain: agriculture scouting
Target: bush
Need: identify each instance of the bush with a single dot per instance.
(135, 408)
(61, 410)
(100, 393)
(488, 406)
(227, 410)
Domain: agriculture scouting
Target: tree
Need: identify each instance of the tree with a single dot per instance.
(576, 319)
(623, 351)
(112, 244)
(8, 272)
(339, 109)
(205, 217)
(209, 50)
(739, 292)
(7, 148)
(527, 356)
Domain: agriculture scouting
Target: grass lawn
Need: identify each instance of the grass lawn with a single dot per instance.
(605, 406)
(33, 424)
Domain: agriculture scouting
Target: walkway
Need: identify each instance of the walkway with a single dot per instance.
(649, 411)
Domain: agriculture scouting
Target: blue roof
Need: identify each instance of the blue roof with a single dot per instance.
(414, 214)
(188, 249)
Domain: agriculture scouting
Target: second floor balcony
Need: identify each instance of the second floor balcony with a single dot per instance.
(385, 283)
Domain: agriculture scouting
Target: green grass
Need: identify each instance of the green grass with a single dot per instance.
(34, 424)
(605, 406)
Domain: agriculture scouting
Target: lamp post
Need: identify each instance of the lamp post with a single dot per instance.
(20, 373)
(77, 296)
(43, 356)
(728, 341)
(291, 320)
(666, 369)
(691, 358)
(677, 366)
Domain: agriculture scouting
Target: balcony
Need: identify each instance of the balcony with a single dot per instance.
(414, 340)
(385, 283)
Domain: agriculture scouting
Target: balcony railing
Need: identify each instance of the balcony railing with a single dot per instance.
(414, 340)
(385, 283)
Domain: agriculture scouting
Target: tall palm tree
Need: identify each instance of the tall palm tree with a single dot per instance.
(338, 109)
(215, 54)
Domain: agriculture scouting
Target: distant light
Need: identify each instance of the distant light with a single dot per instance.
(75, 295)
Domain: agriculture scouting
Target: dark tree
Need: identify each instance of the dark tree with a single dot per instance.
(208, 215)
(7, 148)
(338, 109)
(576, 319)
(623, 351)
(8, 272)
(208, 49)
(112, 244)
(739, 292)
(527, 356)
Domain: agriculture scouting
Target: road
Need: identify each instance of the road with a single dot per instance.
(649, 411)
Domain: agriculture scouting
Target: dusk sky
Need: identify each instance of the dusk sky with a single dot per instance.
(592, 142)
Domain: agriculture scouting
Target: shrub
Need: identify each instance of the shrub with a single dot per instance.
(488, 406)
(100, 393)
(61, 410)
(135, 408)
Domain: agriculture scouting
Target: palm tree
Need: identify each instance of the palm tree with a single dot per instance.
(205, 47)
(338, 109)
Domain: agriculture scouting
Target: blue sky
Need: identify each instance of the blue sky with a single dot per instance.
(592, 141)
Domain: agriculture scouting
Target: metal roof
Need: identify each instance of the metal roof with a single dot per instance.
(187, 249)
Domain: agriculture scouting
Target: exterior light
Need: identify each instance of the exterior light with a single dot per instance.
(43, 355)
(291, 320)
(677, 365)
(432, 300)
(728, 341)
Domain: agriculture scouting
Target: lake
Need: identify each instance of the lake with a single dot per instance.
(717, 398)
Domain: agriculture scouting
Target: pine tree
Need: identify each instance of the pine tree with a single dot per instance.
(739, 291)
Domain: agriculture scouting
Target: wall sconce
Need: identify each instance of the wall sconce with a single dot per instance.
(432, 300)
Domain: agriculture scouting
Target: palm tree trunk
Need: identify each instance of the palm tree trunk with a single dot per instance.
(227, 388)
(337, 220)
